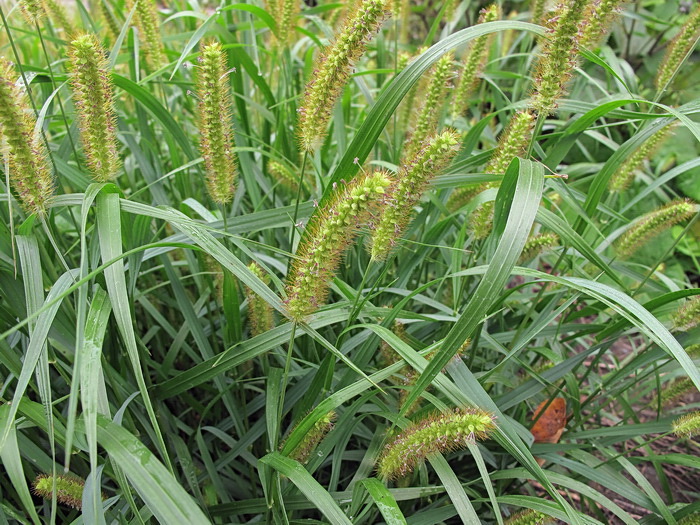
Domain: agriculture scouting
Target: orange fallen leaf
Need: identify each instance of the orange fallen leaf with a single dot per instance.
(550, 425)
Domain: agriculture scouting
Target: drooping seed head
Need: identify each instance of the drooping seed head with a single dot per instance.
(59, 16)
(678, 49)
(537, 244)
(687, 426)
(672, 394)
(653, 224)
(623, 177)
(259, 311)
(214, 123)
(333, 69)
(69, 490)
(328, 234)
(94, 102)
(688, 315)
(30, 175)
(434, 155)
(313, 437)
(512, 142)
(439, 433)
(528, 517)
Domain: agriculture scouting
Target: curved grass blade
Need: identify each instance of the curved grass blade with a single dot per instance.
(385, 501)
(311, 488)
(160, 491)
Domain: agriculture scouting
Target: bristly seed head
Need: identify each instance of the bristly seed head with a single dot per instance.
(687, 316)
(94, 102)
(30, 175)
(69, 490)
(688, 425)
(623, 177)
(678, 49)
(653, 224)
(333, 69)
(313, 437)
(146, 21)
(214, 123)
(439, 433)
(327, 235)
(410, 183)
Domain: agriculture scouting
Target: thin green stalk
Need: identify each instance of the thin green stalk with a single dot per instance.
(296, 204)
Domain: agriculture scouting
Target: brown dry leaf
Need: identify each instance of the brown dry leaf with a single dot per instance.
(550, 425)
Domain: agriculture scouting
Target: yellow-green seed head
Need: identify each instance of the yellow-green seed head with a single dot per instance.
(687, 426)
(413, 177)
(474, 63)
(69, 490)
(481, 221)
(313, 437)
(33, 10)
(537, 11)
(30, 175)
(688, 315)
(148, 25)
(333, 69)
(438, 433)
(461, 196)
(528, 517)
(59, 16)
(94, 102)
(537, 244)
(512, 143)
(259, 312)
(693, 351)
(288, 11)
(623, 177)
(558, 59)
(283, 174)
(214, 123)
(598, 15)
(329, 232)
(653, 224)
(678, 49)
(672, 394)
(692, 519)
(426, 120)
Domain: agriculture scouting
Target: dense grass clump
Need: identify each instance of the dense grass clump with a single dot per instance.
(364, 262)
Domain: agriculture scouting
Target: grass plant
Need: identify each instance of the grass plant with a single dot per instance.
(194, 316)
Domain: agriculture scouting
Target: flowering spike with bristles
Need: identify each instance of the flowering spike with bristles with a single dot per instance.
(558, 59)
(674, 392)
(30, 175)
(312, 438)
(537, 11)
(537, 244)
(474, 63)
(691, 519)
(69, 490)
(287, 11)
(481, 221)
(33, 10)
(528, 517)
(333, 69)
(688, 315)
(598, 15)
(214, 123)
(259, 312)
(413, 177)
(146, 21)
(426, 119)
(653, 224)
(678, 49)
(693, 351)
(329, 232)
(94, 101)
(111, 24)
(283, 174)
(57, 13)
(688, 425)
(624, 175)
(512, 142)
(438, 433)
(461, 196)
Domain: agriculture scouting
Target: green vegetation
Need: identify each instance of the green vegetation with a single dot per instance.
(275, 262)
